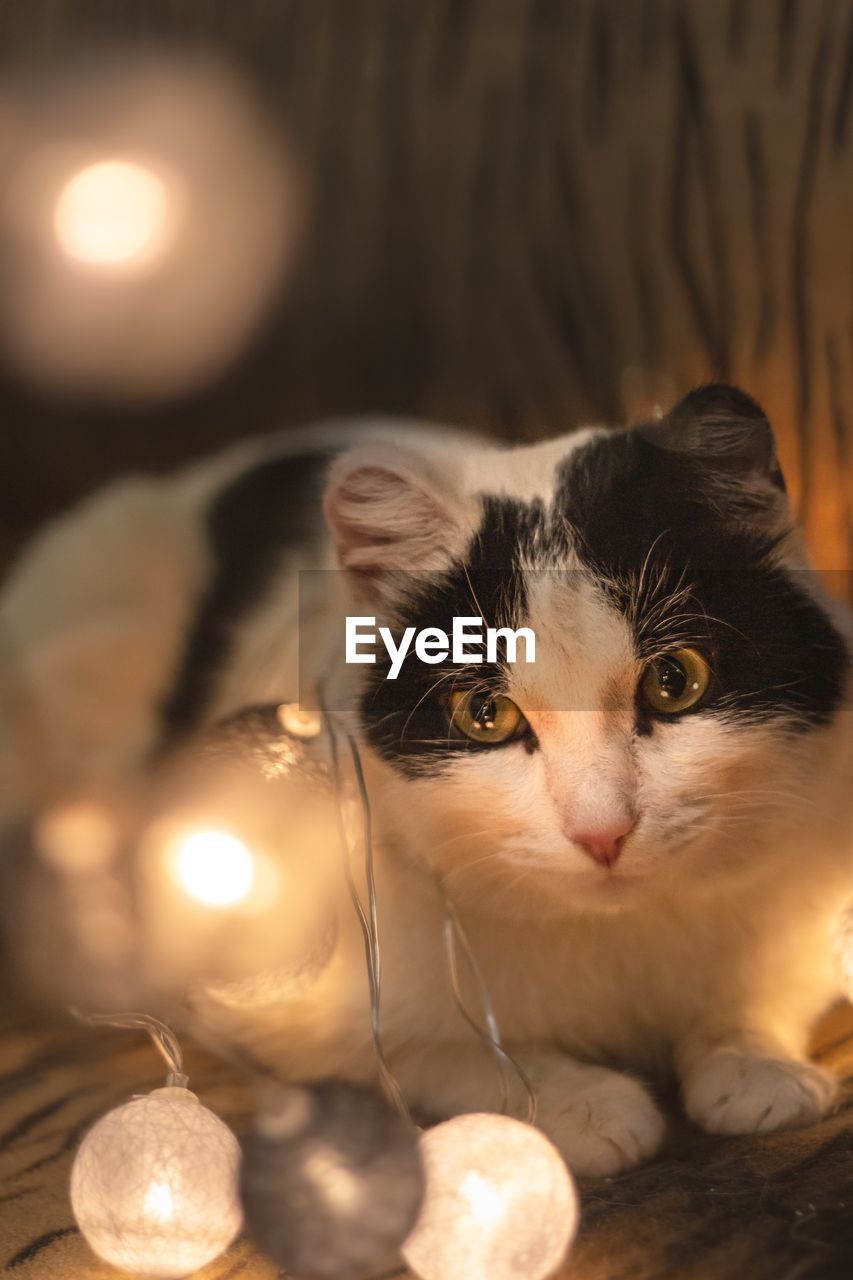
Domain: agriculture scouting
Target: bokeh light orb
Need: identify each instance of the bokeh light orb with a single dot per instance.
(112, 213)
(154, 1185)
(214, 868)
(150, 212)
(332, 1182)
(500, 1203)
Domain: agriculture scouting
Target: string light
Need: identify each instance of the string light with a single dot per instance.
(333, 1176)
(332, 1182)
(238, 867)
(154, 1182)
(500, 1203)
(214, 867)
(148, 215)
(113, 213)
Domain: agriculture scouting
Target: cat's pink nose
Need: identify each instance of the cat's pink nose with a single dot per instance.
(605, 844)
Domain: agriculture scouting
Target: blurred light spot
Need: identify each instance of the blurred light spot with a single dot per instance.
(330, 1178)
(298, 721)
(77, 838)
(112, 214)
(487, 1204)
(160, 177)
(214, 868)
(158, 1205)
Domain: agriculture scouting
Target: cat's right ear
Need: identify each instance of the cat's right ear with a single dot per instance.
(725, 432)
(390, 509)
(728, 449)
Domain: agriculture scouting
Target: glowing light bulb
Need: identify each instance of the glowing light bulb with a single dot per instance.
(500, 1203)
(154, 1185)
(214, 868)
(158, 1205)
(112, 213)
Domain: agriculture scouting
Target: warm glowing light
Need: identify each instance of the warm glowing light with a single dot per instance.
(488, 1205)
(78, 838)
(147, 215)
(298, 721)
(154, 1185)
(500, 1203)
(158, 1204)
(112, 214)
(214, 868)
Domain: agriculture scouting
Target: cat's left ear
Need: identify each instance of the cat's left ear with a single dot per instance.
(723, 430)
(391, 509)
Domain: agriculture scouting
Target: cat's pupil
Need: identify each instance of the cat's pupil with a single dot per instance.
(672, 678)
(483, 711)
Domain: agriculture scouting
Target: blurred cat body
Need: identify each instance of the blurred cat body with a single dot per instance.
(644, 891)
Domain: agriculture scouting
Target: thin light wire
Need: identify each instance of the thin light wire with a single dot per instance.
(164, 1039)
(453, 931)
(368, 919)
(490, 1034)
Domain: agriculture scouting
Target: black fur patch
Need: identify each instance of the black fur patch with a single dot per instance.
(250, 525)
(406, 719)
(638, 511)
(644, 520)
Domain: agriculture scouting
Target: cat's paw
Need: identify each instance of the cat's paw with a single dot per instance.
(606, 1126)
(733, 1092)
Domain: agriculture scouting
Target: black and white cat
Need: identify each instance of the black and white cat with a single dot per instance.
(646, 832)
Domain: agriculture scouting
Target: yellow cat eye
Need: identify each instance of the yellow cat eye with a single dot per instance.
(487, 718)
(675, 682)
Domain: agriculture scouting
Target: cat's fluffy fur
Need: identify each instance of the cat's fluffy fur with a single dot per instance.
(706, 948)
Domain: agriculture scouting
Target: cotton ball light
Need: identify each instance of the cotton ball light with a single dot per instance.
(274, 986)
(214, 868)
(154, 1185)
(500, 1203)
(237, 868)
(332, 1182)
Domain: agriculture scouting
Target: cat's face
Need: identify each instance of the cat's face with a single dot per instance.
(682, 717)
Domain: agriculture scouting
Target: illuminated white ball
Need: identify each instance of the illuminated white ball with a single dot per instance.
(214, 867)
(154, 1186)
(500, 1203)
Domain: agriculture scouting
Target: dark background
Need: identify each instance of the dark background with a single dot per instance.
(527, 214)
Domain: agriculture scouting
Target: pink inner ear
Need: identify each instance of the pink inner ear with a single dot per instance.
(381, 519)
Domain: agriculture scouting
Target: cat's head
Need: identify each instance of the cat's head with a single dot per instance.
(681, 719)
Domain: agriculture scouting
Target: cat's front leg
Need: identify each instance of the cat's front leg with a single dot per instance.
(601, 1121)
(744, 1082)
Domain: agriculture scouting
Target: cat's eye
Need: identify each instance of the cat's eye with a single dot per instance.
(488, 718)
(675, 682)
